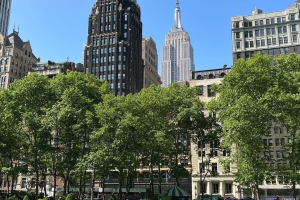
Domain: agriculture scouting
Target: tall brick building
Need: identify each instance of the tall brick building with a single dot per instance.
(114, 45)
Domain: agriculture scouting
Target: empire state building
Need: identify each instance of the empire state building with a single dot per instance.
(178, 55)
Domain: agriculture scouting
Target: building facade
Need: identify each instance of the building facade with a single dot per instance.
(5, 6)
(268, 33)
(178, 55)
(51, 69)
(114, 45)
(16, 58)
(150, 58)
(224, 183)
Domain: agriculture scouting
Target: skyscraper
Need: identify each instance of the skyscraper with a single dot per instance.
(114, 45)
(178, 55)
(4, 15)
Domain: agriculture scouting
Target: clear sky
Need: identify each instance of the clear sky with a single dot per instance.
(57, 29)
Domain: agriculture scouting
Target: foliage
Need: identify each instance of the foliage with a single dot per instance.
(28, 197)
(70, 197)
(12, 198)
(246, 118)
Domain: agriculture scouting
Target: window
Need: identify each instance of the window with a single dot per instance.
(125, 26)
(125, 35)
(268, 31)
(228, 188)
(262, 32)
(215, 188)
(271, 52)
(270, 142)
(257, 43)
(200, 89)
(294, 27)
(278, 154)
(286, 40)
(246, 44)
(273, 31)
(284, 29)
(251, 43)
(248, 34)
(256, 23)
(237, 35)
(269, 41)
(278, 20)
(256, 32)
(263, 42)
(209, 91)
(237, 24)
(125, 17)
(261, 22)
(282, 141)
(294, 38)
(283, 19)
(23, 184)
(274, 41)
(296, 49)
(280, 40)
(292, 17)
(272, 21)
(279, 29)
(32, 182)
(267, 21)
(238, 45)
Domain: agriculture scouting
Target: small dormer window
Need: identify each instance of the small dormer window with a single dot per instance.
(29, 54)
(26, 52)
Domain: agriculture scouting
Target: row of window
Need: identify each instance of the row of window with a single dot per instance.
(213, 153)
(110, 59)
(265, 21)
(270, 41)
(271, 52)
(118, 85)
(210, 93)
(109, 68)
(216, 189)
(104, 41)
(278, 141)
(108, 49)
(268, 31)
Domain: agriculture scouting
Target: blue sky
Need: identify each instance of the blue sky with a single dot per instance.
(57, 29)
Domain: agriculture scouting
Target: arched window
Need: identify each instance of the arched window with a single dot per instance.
(7, 61)
(2, 62)
(210, 76)
(199, 77)
(222, 75)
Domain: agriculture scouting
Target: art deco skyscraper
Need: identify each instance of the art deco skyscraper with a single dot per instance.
(114, 45)
(178, 55)
(4, 15)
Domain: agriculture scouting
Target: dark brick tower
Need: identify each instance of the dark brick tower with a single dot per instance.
(114, 45)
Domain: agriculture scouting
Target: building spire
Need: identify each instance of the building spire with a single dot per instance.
(177, 22)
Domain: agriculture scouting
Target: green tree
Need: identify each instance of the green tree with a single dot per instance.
(11, 141)
(246, 118)
(284, 100)
(33, 96)
(73, 118)
(116, 142)
(153, 111)
(180, 99)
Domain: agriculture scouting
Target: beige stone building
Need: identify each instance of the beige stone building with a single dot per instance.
(269, 33)
(149, 55)
(223, 184)
(16, 58)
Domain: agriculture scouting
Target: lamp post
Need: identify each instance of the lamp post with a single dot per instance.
(159, 178)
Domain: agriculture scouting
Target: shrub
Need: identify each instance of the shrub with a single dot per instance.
(12, 198)
(28, 197)
(70, 197)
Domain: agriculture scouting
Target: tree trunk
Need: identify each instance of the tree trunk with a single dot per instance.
(65, 184)
(256, 192)
(151, 177)
(37, 184)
